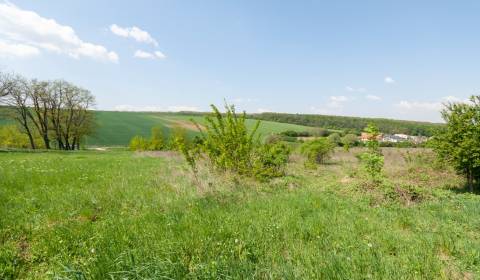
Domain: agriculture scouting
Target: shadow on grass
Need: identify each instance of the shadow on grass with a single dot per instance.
(464, 188)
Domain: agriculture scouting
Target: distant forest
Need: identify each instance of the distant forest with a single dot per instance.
(352, 124)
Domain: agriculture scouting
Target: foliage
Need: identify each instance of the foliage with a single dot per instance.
(12, 137)
(335, 138)
(317, 151)
(459, 142)
(372, 159)
(139, 143)
(348, 141)
(271, 160)
(230, 146)
(157, 141)
(293, 133)
(178, 138)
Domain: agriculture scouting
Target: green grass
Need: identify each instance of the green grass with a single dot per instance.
(120, 215)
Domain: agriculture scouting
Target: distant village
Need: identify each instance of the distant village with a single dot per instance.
(395, 138)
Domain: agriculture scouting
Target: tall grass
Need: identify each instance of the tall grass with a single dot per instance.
(119, 215)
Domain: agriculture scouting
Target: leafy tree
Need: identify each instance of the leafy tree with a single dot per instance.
(317, 151)
(372, 159)
(459, 142)
(348, 141)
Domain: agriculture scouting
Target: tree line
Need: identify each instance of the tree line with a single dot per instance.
(352, 124)
(56, 112)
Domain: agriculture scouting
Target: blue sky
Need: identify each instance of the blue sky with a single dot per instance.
(395, 59)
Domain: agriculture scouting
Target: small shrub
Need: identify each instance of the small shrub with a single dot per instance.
(317, 151)
(157, 141)
(139, 143)
(229, 146)
(271, 160)
(372, 160)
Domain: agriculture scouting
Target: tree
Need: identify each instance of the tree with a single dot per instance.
(459, 142)
(17, 97)
(157, 142)
(372, 159)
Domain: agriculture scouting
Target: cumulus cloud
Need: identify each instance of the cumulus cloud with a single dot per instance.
(175, 108)
(429, 106)
(17, 50)
(179, 108)
(263, 110)
(31, 33)
(135, 33)
(352, 89)
(373, 97)
(149, 55)
(389, 80)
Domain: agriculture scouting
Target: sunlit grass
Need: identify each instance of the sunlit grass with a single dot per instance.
(122, 215)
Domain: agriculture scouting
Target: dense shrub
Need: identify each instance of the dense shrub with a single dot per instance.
(157, 141)
(317, 151)
(229, 146)
(12, 137)
(459, 143)
(335, 138)
(348, 141)
(293, 133)
(139, 143)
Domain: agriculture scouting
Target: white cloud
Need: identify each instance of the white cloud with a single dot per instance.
(240, 100)
(132, 108)
(416, 105)
(27, 28)
(429, 106)
(337, 102)
(351, 89)
(135, 33)
(373, 97)
(183, 108)
(389, 80)
(17, 50)
(263, 110)
(149, 55)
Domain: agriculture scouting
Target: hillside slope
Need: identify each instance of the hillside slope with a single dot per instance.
(117, 128)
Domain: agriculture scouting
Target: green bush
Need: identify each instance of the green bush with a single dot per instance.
(348, 141)
(139, 143)
(229, 146)
(157, 141)
(317, 151)
(12, 137)
(271, 160)
(372, 159)
(335, 138)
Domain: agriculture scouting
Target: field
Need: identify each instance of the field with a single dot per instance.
(117, 128)
(123, 215)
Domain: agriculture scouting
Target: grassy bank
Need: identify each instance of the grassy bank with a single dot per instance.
(120, 215)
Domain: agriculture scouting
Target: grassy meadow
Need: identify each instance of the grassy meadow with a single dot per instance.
(124, 215)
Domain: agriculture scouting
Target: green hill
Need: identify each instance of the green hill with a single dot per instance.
(117, 128)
